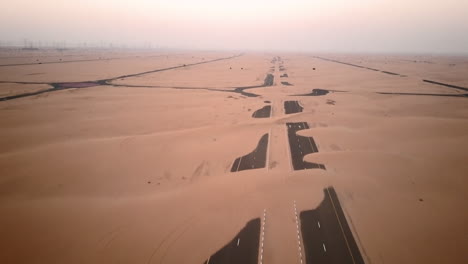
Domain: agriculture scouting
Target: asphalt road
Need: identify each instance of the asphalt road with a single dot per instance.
(326, 234)
(361, 66)
(269, 80)
(301, 146)
(242, 249)
(263, 112)
(447, 85)
(291, 107)
(255, 159)
(316, 92)
(91, 83)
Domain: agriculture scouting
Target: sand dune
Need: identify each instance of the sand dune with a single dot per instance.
(125, 174)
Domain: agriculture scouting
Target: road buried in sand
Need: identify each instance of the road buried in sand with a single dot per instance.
(86, 84)
(243, 248)
(301, 146)
(263, 112)
(291, 107)
(326, 234)
(254, 160)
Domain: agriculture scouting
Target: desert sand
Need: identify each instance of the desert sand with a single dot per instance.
(138, 170)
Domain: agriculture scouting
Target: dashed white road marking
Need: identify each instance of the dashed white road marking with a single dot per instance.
(298, 234)
(339, 222)
(238, 240)
(311, 146)
(263, 236)
(238, 165)
(318, 223)
(324, 248)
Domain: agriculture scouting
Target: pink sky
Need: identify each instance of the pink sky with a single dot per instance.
(293, 25)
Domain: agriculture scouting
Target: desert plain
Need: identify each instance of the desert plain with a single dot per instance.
(111, 156)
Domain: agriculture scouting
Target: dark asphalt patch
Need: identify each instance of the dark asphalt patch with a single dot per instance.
(301, 146)
(447, 85)
(326, 233)
(425, 94)
(359, 66)
(86, 84)
(269, 80)
(263, 112)
(68, 85)
(11, 97)
(241, 91)
(243, 248)
(319, 92)
(391, 73)
(170, 68)
(291, 107)
(315, 92)
(254, 160)
(55, 87)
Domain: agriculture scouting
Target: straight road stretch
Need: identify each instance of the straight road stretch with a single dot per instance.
(326, 234)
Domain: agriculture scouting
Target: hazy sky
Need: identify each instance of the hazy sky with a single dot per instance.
(295, 25)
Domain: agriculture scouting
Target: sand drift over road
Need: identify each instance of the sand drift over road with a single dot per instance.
(326, 233)
(243, 248)
(146, 160)
(301, 146)
(291, 107)
(263, 112)
(254, 160)
(86, 84)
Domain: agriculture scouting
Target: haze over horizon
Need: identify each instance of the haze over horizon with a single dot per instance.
(298, 25)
